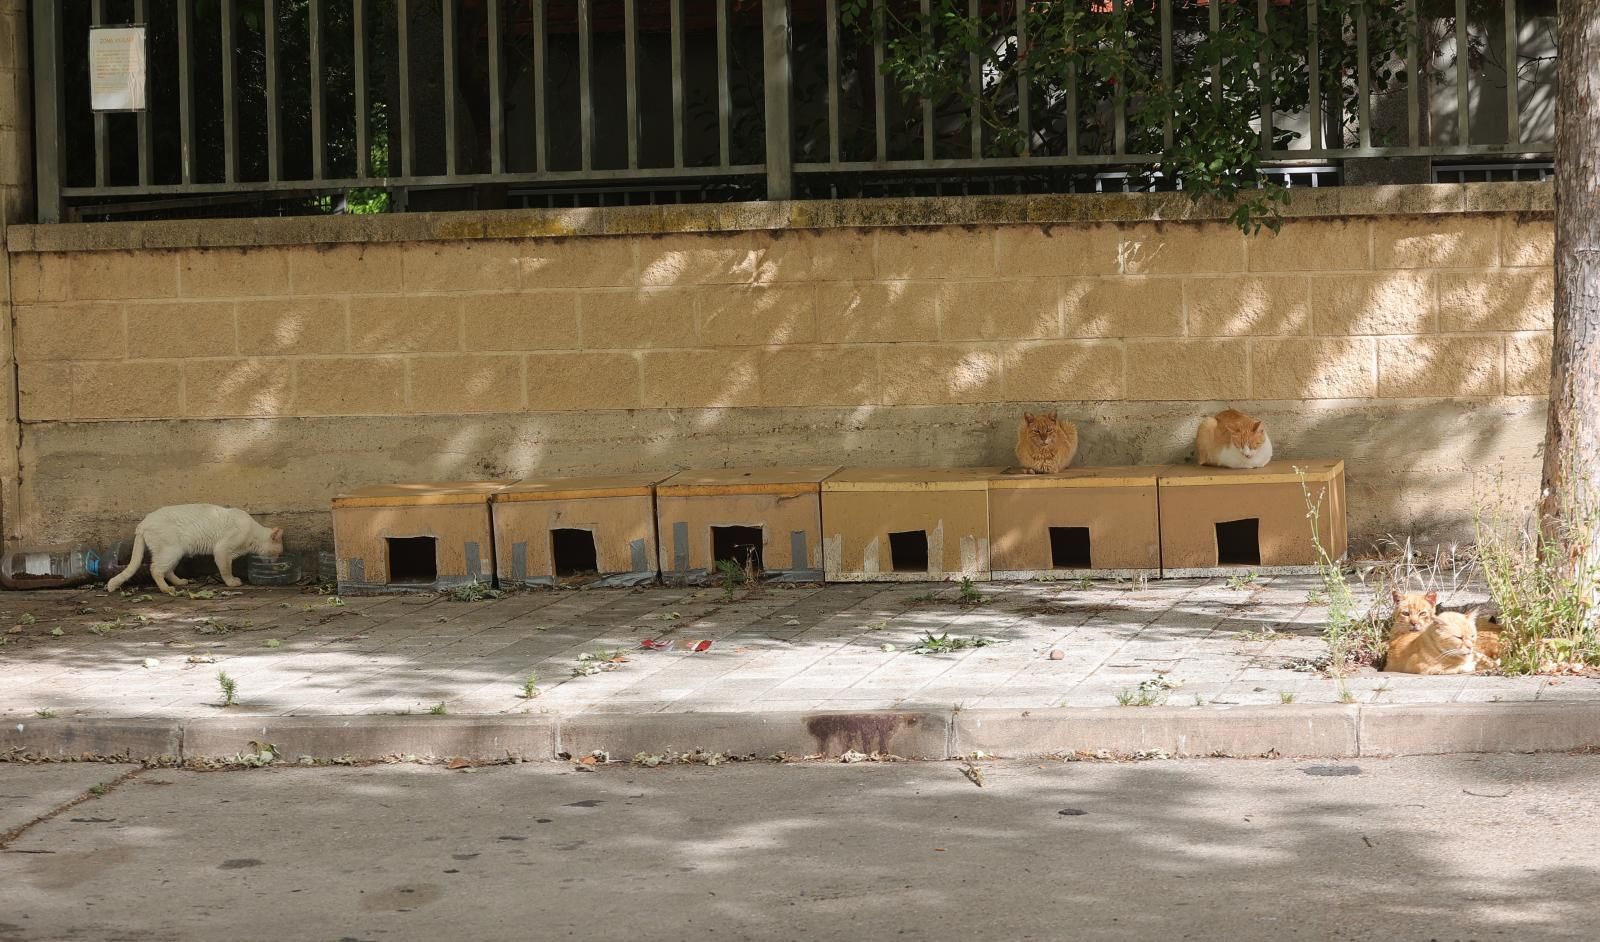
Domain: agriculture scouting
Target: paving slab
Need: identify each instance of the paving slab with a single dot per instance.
(29, 791)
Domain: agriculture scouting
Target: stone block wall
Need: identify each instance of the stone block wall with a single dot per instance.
(1408, 333)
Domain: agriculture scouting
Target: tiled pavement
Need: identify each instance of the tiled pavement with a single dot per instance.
(845, 647)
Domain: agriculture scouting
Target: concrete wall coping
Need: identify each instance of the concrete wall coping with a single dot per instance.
(1044, 210)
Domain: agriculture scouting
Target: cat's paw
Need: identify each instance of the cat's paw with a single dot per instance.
(231, 582)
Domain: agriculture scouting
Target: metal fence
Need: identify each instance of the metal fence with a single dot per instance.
(395, 104)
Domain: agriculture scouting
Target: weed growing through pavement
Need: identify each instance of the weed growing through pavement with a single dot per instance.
(969, 594)
(1152, 692)
(1353, 638)
(44, 714)
(1286, 696)
(530, 686)
(230, 688)
(474, 591)
(438, 709)
(1241, 581)
(944, 644)
(1346, 695)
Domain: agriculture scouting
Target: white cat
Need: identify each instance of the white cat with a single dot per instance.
(182, 530)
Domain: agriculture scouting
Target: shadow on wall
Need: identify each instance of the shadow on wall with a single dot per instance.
(1420, 367)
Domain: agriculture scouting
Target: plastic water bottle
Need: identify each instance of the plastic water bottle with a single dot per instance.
(54, 567)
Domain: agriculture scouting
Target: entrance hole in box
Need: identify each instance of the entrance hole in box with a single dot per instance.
(1069, 548)
(573, 552)
(1239, 542)
(738, 545)
(413, 560)
(908, 551)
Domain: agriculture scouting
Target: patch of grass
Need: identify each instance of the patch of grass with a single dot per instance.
(944, 644)
(1543, 581)
(1238, 582)
(229, 686)
(968, 595)
(473, 591)
(1083, 583)
(98, 790)
(1346, 695)
(1286, 696)
(438, 709)
(44, 714)
(597, 662)
(530, 686)
(1152, 692)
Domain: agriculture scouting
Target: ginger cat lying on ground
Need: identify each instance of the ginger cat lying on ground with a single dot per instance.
(1448, 645)
(1416, 611)
(1231, 439)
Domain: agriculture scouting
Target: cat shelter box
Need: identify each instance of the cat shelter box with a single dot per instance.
(906, 524)
(413, 537)
(768, 519)
(1078, 522)
(598, 531)
(1215, 520)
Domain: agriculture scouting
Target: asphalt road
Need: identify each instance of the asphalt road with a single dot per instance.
(1466, 847)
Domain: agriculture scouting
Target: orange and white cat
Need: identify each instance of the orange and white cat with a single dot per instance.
(1231, 439)
(1448, 645)
(1045, 444)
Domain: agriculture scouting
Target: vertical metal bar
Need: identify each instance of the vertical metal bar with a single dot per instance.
(449, 43)
(143, 119)
(1363, 82)
(230, 121)
(927, 103)
(1413, 76)
(724, 100)
(358, 33)
(1166, 72)
(1119, 100)
(269, 26)
(1463, 79)
(1216, 67)
(408, 123)
(47, 86)
(314, 49)
(185, 94)
(832, 13)
(102, 153)
(1314, 69)
(879, 105)
(1024, 119)
(541, 151)
(1072, 109)
(975, 84)
(1513, 54)
(497, 110)
(776, 75)
(585, 81)
(631, 73)
(1264, 78)
(677, 82)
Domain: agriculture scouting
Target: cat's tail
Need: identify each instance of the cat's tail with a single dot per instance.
(116, 581)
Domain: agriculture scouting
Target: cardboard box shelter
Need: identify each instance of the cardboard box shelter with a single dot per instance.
(1219, 519)
(597, 530)
(1082, 521)
(906, 524)
(414, 537)
(769, 516)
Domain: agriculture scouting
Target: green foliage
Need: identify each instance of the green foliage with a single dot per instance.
(1542, 580)
(1353, 637)
(944, 644)
(229, 687)
(1197, 104)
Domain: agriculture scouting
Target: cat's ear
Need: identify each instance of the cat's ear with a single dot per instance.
(1055, 416)
(1432, 597)
(1396, 593)
(277, 533)
(1256, 427)
(1027, 416)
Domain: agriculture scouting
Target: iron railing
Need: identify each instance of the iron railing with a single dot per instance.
(405, 100)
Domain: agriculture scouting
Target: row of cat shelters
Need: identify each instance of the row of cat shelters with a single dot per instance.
(809, 524)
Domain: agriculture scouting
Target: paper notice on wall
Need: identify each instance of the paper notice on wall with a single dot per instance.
(117, 68)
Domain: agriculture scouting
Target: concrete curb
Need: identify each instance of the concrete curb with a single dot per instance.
(1309, 730)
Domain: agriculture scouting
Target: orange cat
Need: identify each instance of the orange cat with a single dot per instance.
(1045, 444)
(1413, 612)
(1446, 646)
(1231, 439)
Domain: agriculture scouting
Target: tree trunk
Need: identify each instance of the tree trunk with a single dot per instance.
(1572, 445)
